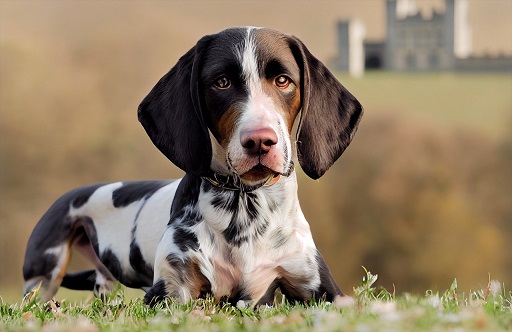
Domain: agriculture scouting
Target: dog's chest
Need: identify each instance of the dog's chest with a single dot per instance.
(239, 241)
(244, 238)
(243, 219)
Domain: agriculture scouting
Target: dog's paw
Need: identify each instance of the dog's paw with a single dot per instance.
(156, 294)
(102, 285)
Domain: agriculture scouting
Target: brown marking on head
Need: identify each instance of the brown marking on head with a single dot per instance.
(225, 127)
(276, 59)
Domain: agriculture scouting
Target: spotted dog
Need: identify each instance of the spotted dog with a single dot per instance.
(233, 113)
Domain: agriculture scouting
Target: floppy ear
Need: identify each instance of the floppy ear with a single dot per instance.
(329, 116)
(171, 115)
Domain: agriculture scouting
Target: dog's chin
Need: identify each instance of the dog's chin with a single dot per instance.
(257, 175)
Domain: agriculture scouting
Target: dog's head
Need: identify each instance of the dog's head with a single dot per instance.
(231, 102)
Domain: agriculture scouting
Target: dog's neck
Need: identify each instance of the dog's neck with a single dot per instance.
(244, 215)
(233, 182)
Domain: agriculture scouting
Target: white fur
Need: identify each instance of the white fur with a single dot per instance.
(255, 263)
(62, 253)
(111, 225)
(284, 250)
(260, 111)
(152, 220)
(114, 225)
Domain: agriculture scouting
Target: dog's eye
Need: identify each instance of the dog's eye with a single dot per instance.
(222, 83)
(282, 81)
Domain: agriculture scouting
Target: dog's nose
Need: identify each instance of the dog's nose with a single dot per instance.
(258, 141)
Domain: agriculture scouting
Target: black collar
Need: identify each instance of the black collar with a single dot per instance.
(233, 182)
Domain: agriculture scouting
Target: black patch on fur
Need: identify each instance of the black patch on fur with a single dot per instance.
(156, 294)
(278, 238)
(174, 261)
(237, 295)
(268, 297)
(328, 288)
(49, 262)
(110, 260)
(134, 191)
(112, 263)
(186, 198)
(206, 290)
(185, 239)
(84, 280)
(81, 196)
(52, 230)
(144, 270)
(226, 200)
(187, 194)
(295, 291)
(178, 264)
(42, 266)
(241, 203)
(252, 206)
(232, 232)
(191, 217)
(206, 186)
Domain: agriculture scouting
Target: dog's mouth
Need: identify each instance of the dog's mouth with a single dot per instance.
(258, 174)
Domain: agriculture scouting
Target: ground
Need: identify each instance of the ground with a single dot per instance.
(371, 309)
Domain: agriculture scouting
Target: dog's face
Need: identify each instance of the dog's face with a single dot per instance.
(251, 99)
(231, 102)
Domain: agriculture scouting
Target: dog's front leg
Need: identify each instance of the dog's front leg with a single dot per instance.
(177, 274)
(306, 277)
(328, 289)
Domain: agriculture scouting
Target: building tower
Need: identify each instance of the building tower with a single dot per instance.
(389, 54)
(462, 33)
(449, 33)
(351, 47)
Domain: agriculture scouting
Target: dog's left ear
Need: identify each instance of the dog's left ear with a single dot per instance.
(171, 115)
(329, 116)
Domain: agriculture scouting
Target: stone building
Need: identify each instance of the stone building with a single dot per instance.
(417, 43)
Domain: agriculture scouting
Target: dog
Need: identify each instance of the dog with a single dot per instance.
(232, 227)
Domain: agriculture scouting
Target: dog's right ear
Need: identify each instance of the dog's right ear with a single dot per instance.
(172, 117)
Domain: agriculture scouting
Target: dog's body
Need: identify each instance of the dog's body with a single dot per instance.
(232, 228)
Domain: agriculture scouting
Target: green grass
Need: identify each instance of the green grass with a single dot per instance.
(373, 308)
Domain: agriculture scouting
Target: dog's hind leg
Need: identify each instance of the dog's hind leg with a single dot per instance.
(51, 267)
(85, 241)
(48, 248)
(84, 280)
(89, 280)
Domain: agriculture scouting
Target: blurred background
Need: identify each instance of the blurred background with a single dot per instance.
(423, 194)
